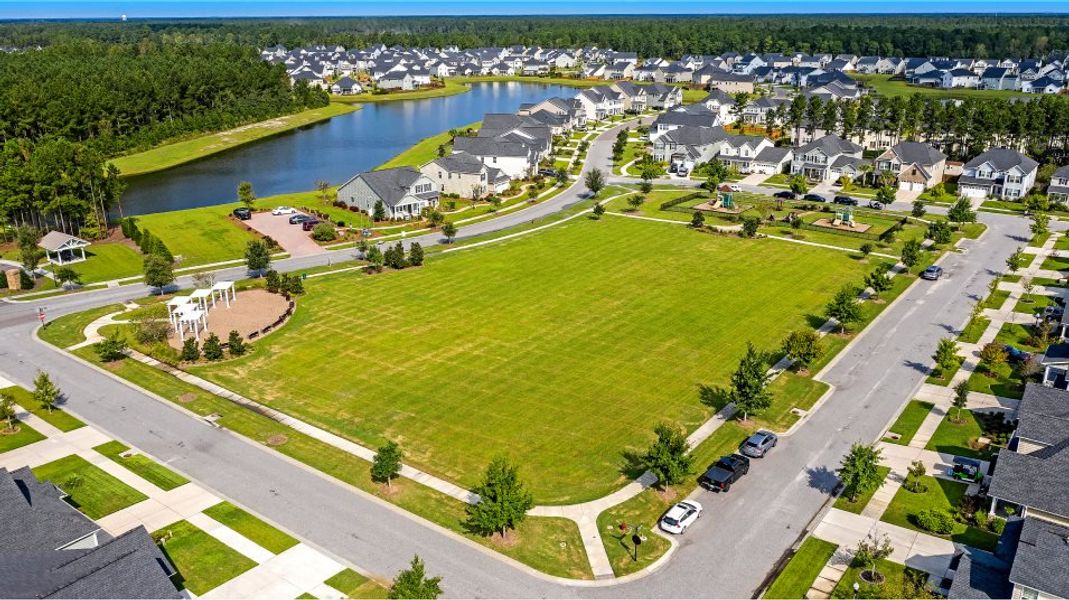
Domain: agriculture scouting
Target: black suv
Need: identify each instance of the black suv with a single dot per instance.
(243, 213)
(847, 200)
(785, 195)
(813, 198)
(725, 472)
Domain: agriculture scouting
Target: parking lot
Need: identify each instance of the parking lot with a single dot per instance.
(291, 238)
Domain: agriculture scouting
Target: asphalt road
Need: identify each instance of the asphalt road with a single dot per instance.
(727, 554)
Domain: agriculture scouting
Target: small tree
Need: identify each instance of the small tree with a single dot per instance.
(598, 210)
(913, 476)
(246, 196)
(45, 391)
(111, 348)
(190, 350)
(504, 500)
(940, 232)
(871, 551)
(667, 457)
(213, 348)
(962, 212)
(879, 281)
(1040, 224)
(961, 400)
(750, 225)
(413, 583)
(257, 257)
(885, 194)
(636, 201)
(378, 213)
(292, 284)
(415, 254)
(946, 355)
(394, 257)
(29, 253)
(859, 470)
(749, 383)
(844, 307)
(449, 230)
(918, 209)
(159, 273)
(645, 187)
(272, 281)
(375, 259)
(1016, 260)
(992, 355)
(799, 185)
(67, 275)
(235, 344)
(911, 253)
(802, 346)
(7, 410)
(697, 220)
(387, 463)
(324, 232)
(595, 182)
(866, 248)
(1028, 287)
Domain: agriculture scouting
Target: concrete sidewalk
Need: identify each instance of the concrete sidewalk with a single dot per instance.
(911, 548)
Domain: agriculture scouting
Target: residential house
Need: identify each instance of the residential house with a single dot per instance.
(916, 165)
(998, 173)
(689, 146)
(757, 111)
(722, 104)
(510, 154)
(772, 160)
(732, 82)
(676, 119)
(960, 78)
(346, 86)
(676, 73)
(1042, 85)
(403, 191)
(620, 70)
(998, 78)
(396, 80)
(827, 159)
(50, 550)
(665, 97)
(465, 175)
(740, 151)
(634, 96)
(600, 102)
(1058, 191)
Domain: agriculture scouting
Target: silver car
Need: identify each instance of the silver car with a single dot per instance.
(759, 444)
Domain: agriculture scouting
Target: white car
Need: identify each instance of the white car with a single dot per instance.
(283, 210)
(735, 187)
(680, 516)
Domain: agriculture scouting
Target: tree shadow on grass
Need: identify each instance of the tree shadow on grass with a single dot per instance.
(632, 466)
(815, 321)
(822, 479)
(715, 397)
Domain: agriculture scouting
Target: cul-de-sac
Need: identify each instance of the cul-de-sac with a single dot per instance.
(488, 300)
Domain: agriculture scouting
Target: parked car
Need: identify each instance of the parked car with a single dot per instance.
(966, 469)
(283, 210)
(680, 516)
(814, 198)
(845, 200)
(724, 472)
(547, 172)
(1016, 354)
(682, 172)
(672, 168)
(309, 223)
(759, 444)
(876, 205)
(243, 213)
(786, 195)
(735, 187)
(299, 218)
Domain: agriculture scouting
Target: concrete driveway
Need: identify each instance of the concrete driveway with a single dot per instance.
(292, 238)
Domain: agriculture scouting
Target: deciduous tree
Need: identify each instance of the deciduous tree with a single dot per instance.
(387, 463)
(504, 499)
(859, 470)
(749, 383)
(45, 391)
(667, 457)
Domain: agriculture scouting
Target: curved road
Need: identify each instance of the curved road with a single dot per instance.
(727, 554)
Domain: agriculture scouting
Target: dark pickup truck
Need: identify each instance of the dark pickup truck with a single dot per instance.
(725, 472)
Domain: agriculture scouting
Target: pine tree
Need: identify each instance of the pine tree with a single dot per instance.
(415, 254)
(235, 344)
(504, 500)
(213, 348)
(413, 583)
(45, 391)
(190, 350)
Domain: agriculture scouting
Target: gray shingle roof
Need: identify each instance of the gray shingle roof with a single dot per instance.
(1038, 480)
(1003, 159)
(391, 185)
(831, 145)
(1042, 556)
(917, 152)
(487, 146)
(37, 527)
(980, 575)
(774, 155)
(1043, 415)
(461, 162)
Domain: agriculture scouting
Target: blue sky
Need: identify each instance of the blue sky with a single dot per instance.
(259, 8)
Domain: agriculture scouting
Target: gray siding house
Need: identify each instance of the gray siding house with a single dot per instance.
(404, 192)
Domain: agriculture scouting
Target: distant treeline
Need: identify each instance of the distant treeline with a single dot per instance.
(959, 36)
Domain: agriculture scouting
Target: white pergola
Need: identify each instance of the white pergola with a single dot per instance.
(189, 315)
(173, 307)
(226, 291)
(201, 296)
(63, 246)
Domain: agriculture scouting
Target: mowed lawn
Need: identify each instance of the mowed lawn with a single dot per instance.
(561, 349)
(200, 235)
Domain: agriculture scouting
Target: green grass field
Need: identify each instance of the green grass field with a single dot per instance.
(69, 329)
(898, 583)
(354, 585)
(23, 436)
(940, 494)
(91, 489)
(264, 534)
(425, 150)
(451, 88)
(798, 576)
(974, 330)
(958, 438)
(203, 562)
(105, 261)
(174, 154)
(909, 422)
(885, 86)
(57, 417)
(199, 236)
(148, 469)
(843, 502)
(561, 360)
